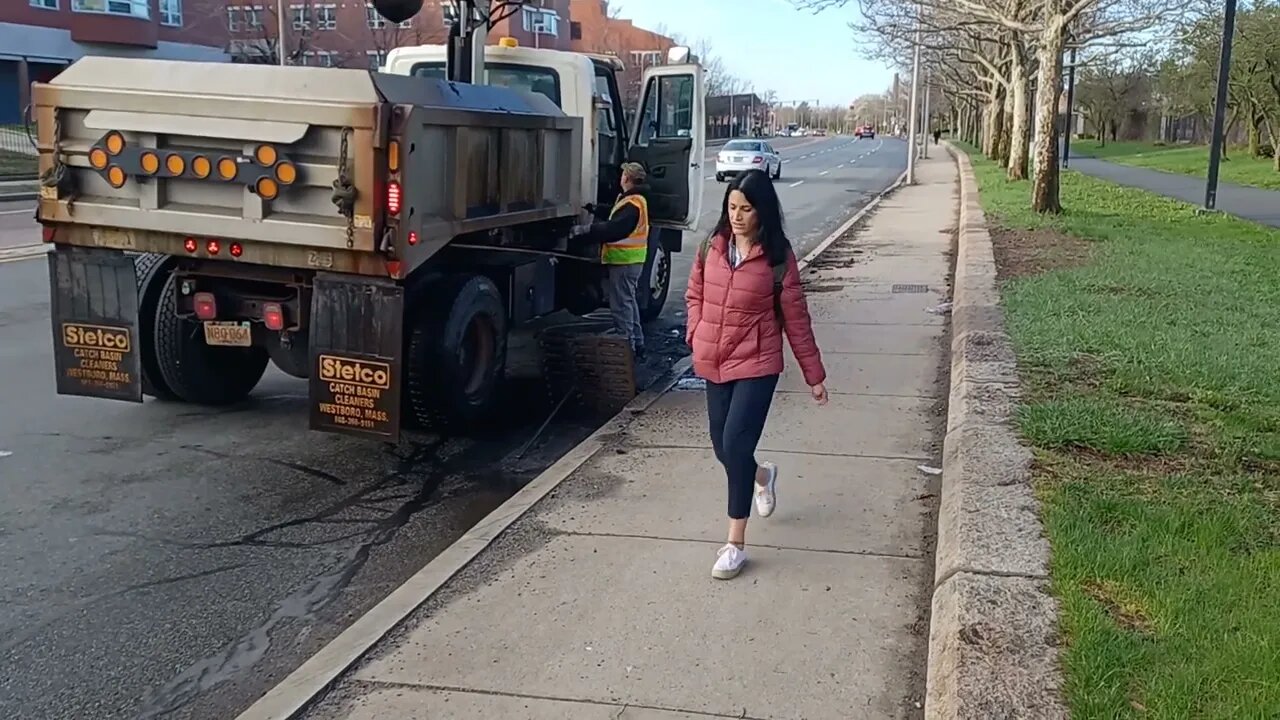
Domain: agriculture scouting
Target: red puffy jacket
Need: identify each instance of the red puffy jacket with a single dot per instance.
(733, 326)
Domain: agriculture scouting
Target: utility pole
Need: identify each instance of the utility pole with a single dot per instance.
(1219, 108)
(914, 113)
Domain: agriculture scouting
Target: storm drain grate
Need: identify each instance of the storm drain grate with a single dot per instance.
(911, 288)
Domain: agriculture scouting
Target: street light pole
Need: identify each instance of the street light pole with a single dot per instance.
(1071, 118)
(913, 118)
(1219, 109)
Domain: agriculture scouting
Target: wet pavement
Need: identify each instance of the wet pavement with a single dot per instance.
(162, 560)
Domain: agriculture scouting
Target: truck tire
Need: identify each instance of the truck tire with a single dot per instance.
(151, 269)
(456, 355)
(195, 372)
(653, 294)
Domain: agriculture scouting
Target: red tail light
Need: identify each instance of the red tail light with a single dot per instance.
(46, 232)
(757, 160)
(206, 306)
(273, 316)
(191, 245)
(393, 198)
(413, 237)
(237, 249)
(213, 247)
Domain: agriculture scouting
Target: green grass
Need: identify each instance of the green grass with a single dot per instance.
(1239, 168)
(15, 164)
(1152, 400)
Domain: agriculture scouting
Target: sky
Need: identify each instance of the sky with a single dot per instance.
(772, 45)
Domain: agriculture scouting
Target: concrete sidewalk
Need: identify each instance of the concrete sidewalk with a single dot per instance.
(599, 603)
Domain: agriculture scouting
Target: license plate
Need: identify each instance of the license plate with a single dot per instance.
(737, 158)
(227, 334)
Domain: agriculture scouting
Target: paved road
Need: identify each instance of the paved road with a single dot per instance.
(1256, 204)
(171, 561)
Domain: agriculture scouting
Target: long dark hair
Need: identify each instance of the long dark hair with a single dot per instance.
(759, 191)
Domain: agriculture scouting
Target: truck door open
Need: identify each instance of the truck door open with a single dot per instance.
(669, 139)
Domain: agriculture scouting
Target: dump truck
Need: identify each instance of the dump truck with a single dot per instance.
(376, 233)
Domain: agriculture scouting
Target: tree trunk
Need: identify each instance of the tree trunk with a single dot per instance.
(1045, 196)
(988, 127)
(1255, 132)
(1020, 125)
(1000, 143)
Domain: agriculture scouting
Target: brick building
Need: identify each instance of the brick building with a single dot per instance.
(40, 37)
(592, 30)
(350, 33)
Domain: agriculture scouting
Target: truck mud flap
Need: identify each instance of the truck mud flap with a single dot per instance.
(356, 346)
(94, 307)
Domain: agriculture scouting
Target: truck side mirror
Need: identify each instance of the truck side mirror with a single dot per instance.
(397, 11)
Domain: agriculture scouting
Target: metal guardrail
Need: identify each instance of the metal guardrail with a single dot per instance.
(17, 153)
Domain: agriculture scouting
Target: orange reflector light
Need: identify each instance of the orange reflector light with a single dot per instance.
(201, 167)
(266, 155)
(116, 176)
(286, 173)
(237, 249)
(393, 198)
(267, 188)
(227, 169)
(98, 158)
(413, 237)
(191, 245)
(273, 316)
(394, 268)
(150, 163)
(206, 306)
(393, 156)
(213, 247)
(175, 164)
(114, 143)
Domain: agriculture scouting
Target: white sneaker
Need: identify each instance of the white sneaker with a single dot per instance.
(729, 562)
(767, 494)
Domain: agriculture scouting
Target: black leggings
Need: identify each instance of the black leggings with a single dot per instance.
(737, 410)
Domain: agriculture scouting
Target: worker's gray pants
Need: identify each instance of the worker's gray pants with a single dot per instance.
(623, 303)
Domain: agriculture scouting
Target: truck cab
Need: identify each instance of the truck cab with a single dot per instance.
(666, 136)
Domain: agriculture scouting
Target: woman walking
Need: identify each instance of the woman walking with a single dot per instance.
(744, 293)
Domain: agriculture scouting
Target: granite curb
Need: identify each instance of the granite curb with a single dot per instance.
(993, 639)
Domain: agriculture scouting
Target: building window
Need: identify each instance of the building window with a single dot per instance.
(45, 4)
(646, 58)
(301, 17)
(171, 13)
(242, 18)
(377, 58)
(575, 30)
(326, 17)
(133, 8)
(540, 21)
(376, 21)
(320, 58)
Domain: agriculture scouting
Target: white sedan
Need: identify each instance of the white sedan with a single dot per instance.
(739, 156)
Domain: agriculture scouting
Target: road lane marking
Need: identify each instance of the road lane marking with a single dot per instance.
(796, 184)
(824, 172)
(840, 166)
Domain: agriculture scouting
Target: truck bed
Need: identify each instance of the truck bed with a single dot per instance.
(255, 119)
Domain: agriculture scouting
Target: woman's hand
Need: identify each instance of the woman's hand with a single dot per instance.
(819, 392)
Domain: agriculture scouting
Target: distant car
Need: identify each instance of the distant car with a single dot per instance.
(866, 131)
(742, 155)
(820, 133)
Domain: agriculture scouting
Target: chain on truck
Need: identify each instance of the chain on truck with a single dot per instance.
(377, 233)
